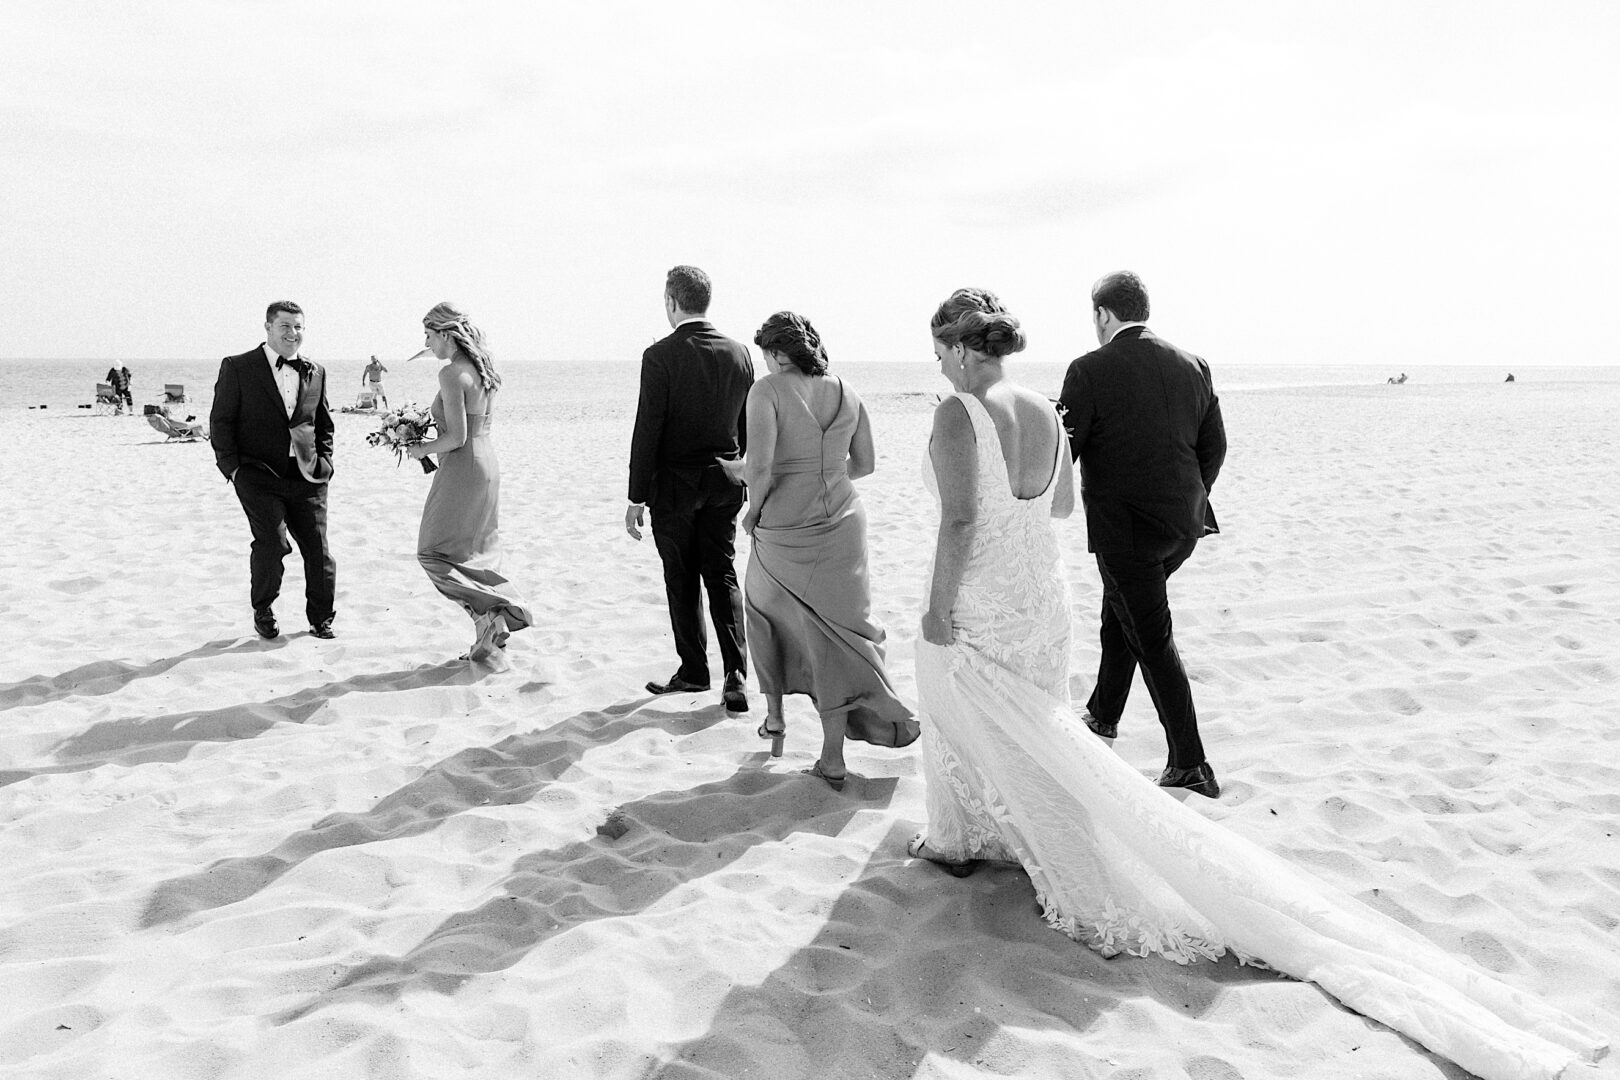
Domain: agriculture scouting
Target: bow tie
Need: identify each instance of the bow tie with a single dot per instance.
(282, 361)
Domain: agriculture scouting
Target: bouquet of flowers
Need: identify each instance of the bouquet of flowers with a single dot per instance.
(407, 425)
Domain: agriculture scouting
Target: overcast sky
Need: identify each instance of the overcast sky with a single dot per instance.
(1391, 183)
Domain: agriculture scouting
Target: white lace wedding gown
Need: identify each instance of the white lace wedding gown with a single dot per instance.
(1120, 865)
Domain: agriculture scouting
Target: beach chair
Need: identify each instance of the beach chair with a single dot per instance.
(107, 402)
(183, 430)
(174, 393)
(365, 401)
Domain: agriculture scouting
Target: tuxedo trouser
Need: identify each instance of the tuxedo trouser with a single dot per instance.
(276, 506)
(697, 541)
(1136, 631)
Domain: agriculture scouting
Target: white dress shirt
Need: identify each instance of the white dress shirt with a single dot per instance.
(286, 378)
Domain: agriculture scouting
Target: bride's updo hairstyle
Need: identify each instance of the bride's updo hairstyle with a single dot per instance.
(976, 319)
(793, 337)
(451, 321)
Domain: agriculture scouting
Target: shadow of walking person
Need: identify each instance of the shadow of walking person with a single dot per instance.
(911, 963)
(673, 837)
(109, 676)
(135, 740)
(509, 773)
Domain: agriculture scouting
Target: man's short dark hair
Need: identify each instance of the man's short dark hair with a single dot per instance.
(689, 288)
(1123, 293)
(281, 305)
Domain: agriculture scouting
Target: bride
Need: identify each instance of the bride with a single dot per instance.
(1012, 773)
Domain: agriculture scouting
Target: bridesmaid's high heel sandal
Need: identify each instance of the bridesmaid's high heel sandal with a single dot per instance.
(492, 634)
(777, 737)
(834, 782)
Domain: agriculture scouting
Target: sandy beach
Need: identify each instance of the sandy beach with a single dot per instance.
(231, 858)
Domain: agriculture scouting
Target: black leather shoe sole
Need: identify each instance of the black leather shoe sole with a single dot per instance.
(676, 685)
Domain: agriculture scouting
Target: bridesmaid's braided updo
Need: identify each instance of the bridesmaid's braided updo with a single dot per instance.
(794, 337)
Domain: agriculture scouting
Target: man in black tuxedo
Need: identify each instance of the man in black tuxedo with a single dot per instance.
(271, 429)
(694, 384)
(1145, 425)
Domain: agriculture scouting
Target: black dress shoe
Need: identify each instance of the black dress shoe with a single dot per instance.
(265, 623)
(676, 685)
(1199, 779)
(733, 695)
(1103, 729)
(322, 629)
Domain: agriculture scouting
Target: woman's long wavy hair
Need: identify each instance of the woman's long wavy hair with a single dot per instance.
(447, 319)
(977, 319)
(793, 337)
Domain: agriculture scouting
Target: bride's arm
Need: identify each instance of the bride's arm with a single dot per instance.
(956, 469)
(760, 417)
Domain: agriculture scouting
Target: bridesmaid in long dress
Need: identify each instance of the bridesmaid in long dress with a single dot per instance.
(807, 599)
(459, 541)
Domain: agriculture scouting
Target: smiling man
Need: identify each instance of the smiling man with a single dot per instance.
(271, 428)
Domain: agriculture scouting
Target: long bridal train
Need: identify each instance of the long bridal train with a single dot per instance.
(1122, 867)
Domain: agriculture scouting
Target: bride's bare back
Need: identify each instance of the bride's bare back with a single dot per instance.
(1029, 434)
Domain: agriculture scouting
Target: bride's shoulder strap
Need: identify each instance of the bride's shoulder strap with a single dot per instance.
(975, 410)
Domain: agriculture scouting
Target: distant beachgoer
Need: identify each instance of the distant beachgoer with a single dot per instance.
(119, 377)
(458, 543)
(372, 379)
(1509, 378)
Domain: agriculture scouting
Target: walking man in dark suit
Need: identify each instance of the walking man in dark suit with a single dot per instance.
(694, 384)
(1145, 425)
(271, 428)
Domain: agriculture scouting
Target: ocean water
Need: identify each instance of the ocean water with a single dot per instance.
(62, 387)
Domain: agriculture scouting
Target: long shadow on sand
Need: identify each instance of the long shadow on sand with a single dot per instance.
(674, 837)
(138, 739)
(109, 676)
(509, 773)
(911, 961)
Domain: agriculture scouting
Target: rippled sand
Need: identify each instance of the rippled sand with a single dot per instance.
(229, 858)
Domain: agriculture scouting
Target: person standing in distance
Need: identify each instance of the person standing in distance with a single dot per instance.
(1145, 425)
(271, 429)
(372, 379)
(689, 418)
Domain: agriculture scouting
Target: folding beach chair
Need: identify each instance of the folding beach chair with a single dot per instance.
(184, 430)
(107, 402)
(366, 399)
(174, 393)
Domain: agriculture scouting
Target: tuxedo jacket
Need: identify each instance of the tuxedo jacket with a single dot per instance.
(249, 426)
(694, 386)
(1145, 425)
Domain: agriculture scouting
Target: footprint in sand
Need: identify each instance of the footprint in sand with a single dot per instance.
(1488, 952)
(1205, 1067)
(76, 586)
